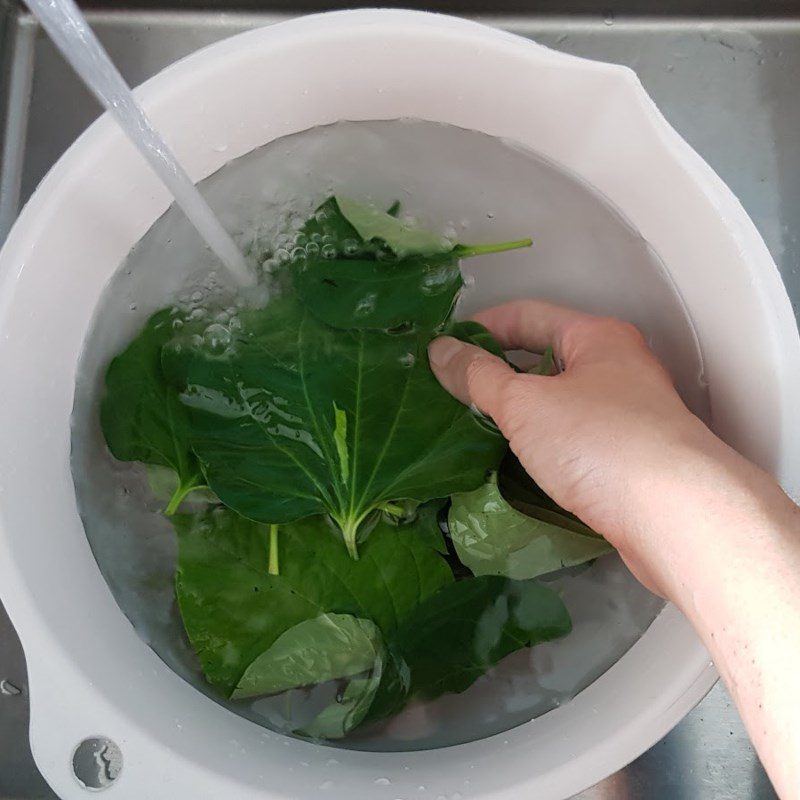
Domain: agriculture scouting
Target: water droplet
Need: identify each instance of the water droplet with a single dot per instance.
(489, 215)
(197, 313)
(408, 360)
(609, 18)
(382, 782)
(329, 251)
(312, 249)
(331, 762)
(350, 247)
(132, 306)
(197, 297)
(8, 688)
(366, 305)
(217, 337)
(282, 255)
(220, 148)
(299, 253)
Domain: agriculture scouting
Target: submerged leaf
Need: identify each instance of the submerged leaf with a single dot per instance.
(378, 272)
(339, 718)
(264, 421)
(462, 631)
(404, 238)
(493, 538)
(418, 291)
(234, 609)
(316, 650)
(141, 415)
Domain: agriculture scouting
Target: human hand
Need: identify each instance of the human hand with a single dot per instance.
(599, 437)
(610, 440)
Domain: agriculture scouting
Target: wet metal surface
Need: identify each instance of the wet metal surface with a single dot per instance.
(729, 84)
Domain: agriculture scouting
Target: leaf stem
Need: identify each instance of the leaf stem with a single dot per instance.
(349, 532)
(393, 509)
(469, 250)
(181, 492)
(273, 568)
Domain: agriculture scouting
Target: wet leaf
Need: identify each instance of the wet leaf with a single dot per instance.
(141, 415)
(493, 538)
(316, 650)
(403, 238)
(234, 610)
(271, 421)
(462, 631)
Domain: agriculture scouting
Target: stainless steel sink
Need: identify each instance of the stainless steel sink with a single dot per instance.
(726, 74)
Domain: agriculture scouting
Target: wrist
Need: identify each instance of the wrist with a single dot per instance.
(707, 519)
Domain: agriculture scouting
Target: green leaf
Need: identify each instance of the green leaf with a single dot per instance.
(402, 237)
(328, 226)
(378, 272)
(263, 421)
(466, 628)
(473, 332)
(234, 609)
(493, 538)
(141, 415)
(325, 648)
(417, 291)
(339, 718)
(547, 364)
(462, 631)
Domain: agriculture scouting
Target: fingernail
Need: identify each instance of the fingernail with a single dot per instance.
(442, 350)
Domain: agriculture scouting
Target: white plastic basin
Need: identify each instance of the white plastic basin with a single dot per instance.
(89, 672)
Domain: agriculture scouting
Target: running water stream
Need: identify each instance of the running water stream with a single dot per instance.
(69, 30)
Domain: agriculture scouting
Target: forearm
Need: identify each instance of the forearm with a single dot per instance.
(725, 544)
(610, 440)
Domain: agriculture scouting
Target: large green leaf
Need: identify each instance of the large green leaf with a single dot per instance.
(141, 415)
(298, 419)
(234, 609)
(406, 239)
(381, 295)
(462, 631)
(403, 238)
(316, 650)
(493, 538)
(376, 271)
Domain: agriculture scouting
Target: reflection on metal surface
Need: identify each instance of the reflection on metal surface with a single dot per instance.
(728, 85)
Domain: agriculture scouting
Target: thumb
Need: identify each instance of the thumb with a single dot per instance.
(470, 374)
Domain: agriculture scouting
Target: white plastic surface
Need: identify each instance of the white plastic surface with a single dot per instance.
(89, 673)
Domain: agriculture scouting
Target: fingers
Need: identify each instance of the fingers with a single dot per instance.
(528, 324)
(470, 374)
(535, 325)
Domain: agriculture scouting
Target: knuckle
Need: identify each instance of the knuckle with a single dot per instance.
(625, 330)
(513, 407)
(477, 371)
(590, 330)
